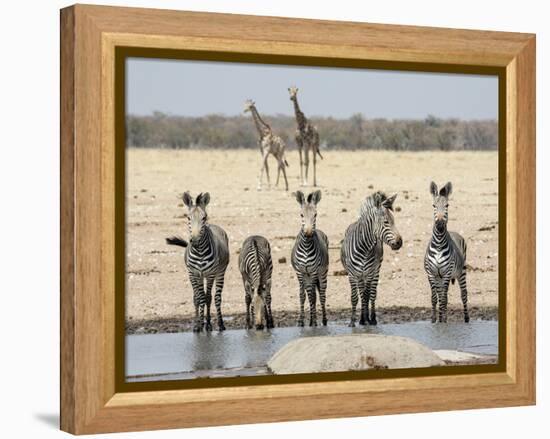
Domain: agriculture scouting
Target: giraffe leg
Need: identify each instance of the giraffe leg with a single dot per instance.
(267, 171)
(284, 175)
(315, 164)
(265, 167)
(299, 143)
(306, 164)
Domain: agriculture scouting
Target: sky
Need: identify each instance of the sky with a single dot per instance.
(197, 88)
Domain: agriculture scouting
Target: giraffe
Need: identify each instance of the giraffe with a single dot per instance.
(307, 138)
(269, 144)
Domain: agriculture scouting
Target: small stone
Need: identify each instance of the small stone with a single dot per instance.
(398, 209)
(371, 186)
(344, 209)
(282, 260)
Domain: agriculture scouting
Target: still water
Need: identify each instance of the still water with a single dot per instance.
(188, 355)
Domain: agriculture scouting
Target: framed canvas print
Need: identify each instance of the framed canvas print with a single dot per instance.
(269, 219)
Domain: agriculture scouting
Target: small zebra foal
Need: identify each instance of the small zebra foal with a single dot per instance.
(362, 252)
(256, 267)
(445, 259)
(206, 259)
(310, 259)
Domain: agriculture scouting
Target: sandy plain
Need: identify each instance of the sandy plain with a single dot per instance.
(158, 292)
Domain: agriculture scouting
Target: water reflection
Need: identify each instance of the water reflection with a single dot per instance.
(185, 352)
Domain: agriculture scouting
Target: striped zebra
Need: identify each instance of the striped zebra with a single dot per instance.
(206, 259)
(256, 267)
(310, 259)
(362, 251)
(445, 259)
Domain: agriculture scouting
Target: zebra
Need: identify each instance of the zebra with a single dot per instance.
(256, 267)
(310, 259)
(445, 259)
(362, 252)
(206, 259)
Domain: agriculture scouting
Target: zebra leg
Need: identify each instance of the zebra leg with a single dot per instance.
(268, 313)
(354, 300)
(464, 296)
(323, 296)
(248, 301)
(198, 301)
(364, 289)
(302, 301)
(433, 287)
(218, 302)
(372, 299)
(209, 284)
(259, 307)
(312, 296)
(443, 295)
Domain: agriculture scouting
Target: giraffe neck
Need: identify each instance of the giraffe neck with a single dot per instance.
(262, 127)
(300, 117)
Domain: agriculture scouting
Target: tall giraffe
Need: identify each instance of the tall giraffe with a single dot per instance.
(269, 144)
(307, 138)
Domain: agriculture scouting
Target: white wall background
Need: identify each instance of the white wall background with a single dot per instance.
(29, 235)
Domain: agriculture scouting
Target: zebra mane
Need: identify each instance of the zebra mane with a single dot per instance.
(369, 204)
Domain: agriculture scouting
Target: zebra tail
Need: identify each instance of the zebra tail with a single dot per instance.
(176, 240)
(256, 272)
(286, 163)
(319, 152)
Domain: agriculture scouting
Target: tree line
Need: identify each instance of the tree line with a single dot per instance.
(227, 132)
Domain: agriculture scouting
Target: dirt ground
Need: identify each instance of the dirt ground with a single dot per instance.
(158, 288)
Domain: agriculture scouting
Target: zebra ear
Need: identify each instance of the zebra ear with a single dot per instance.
(314, 197)
(377, 196)
(433, 189)
(203, 200)
(446, 190)
(187, 200)
(299, 197)
(388, 202)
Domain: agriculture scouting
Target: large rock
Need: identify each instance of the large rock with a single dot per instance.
(464, 358)
(351, 352)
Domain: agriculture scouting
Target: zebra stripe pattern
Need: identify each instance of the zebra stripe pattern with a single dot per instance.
(256, 268)
(310, 259)
(445, 259)
(362, 251)
(206, 258)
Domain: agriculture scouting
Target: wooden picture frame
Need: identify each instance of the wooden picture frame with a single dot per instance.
(91, 398)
